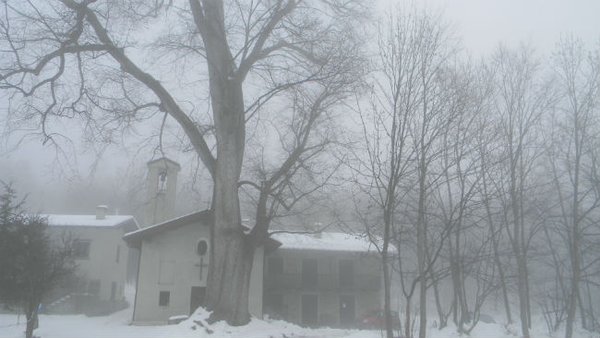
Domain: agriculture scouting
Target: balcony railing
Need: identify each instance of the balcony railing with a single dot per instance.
(293, 281)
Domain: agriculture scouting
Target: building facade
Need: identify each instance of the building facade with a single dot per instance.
(101, 255)
(173, 268)
(328, 279)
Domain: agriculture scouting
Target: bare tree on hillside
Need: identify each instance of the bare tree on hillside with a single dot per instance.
(454, 197)
(521, 99)
(572, 154)
(83, 59)
(387, 157)
(434, 117)
(405, 119)
(489, 193)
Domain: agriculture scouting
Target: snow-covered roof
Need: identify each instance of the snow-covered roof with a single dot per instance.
(87, 220)
(134, 238)
(325, 241)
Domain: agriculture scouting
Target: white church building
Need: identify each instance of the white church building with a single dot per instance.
(173, 267)
(322, 279)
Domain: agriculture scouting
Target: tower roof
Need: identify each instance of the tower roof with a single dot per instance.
(164, 160)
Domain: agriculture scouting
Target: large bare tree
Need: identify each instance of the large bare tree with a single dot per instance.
(88, 59)
(410, 110)
(383, 164)
(522, 97)
(572, 153)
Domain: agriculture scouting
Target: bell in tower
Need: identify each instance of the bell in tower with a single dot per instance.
(161, 184)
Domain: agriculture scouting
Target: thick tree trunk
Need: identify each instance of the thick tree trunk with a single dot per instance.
(407, 319)
(232, 253)
(575, 234)
(516, 182)
(461, 314)
(438, 303)
(522, 286)
(502, 277)
(590, 311)
(421, 259)
(32, 320)
(231, 261)
(456, 297)
(575, 279)
(520, 255)
(387, 295)
(387, 218)
(494, 238)
(522, 283)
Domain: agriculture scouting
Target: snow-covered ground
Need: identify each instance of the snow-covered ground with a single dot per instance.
(117, 325)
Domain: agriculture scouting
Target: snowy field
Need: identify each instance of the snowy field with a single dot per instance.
(117, 325)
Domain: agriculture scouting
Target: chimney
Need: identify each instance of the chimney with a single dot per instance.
(101, 211)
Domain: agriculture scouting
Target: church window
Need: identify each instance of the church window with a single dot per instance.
(162, 181)
(202, 247)
(163, 298)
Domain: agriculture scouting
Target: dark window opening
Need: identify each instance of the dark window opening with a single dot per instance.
(94, 287)
(81, 249)
(346, 273)
(163, 298)
(79, 284)
(202, 247)
(310, 310)
(310, 277)
(274, 306)
(162, 181)
(113, 290)
(275, 265)
(347, 310)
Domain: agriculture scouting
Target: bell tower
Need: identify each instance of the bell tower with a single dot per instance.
(161, 189)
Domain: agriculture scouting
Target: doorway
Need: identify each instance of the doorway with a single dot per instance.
(310, 309)
(347, 311)
(197, 297)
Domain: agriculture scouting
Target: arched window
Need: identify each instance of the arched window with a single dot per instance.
(162, 181)
(202, 247)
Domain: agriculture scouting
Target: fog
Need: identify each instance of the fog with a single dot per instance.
(454, 142)
(79, 179)
(82, 177)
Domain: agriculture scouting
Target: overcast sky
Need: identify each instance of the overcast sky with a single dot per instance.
(484, 23)
(481, 24)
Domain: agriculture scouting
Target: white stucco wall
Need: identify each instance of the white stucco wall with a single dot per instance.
(176, 249)
(102, 263)
(255, 301)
